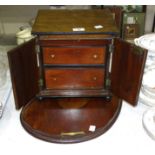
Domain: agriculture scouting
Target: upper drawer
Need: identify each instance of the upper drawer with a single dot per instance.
(72, 55)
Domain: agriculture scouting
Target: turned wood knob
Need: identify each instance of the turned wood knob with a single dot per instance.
(94, 78)
(95, 56)
(52, 56)
(54, 79)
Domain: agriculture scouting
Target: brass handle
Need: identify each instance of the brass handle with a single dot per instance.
(95, 56)
(52, 56)
(72, 133)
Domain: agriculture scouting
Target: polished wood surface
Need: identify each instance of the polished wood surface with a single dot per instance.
(63, 22)
(60, 121)
(74, 55)
(127, 70)
(24, 72)
(74, 78)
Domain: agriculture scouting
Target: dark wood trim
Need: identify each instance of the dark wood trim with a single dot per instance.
(62, 43)
(74, 65)
(75, 37)
(73, 93)
(74, 33)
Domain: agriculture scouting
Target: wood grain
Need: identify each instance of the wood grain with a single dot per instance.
(74, 55)
(74, 78)
(24, 73)
(127, 70)
(63, 22)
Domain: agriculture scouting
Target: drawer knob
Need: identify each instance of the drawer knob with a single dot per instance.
(52, 56)
(94, 78)
(54, 79)
(95, 56)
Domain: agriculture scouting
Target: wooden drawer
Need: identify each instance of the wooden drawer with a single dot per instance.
(77, 78)
(78, 55)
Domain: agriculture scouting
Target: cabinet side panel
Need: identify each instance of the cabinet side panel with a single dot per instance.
(24, 72)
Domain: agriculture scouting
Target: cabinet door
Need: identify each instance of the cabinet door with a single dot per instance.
(24, 72)
(127, 70)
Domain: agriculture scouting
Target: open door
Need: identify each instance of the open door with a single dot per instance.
(24, 72)
(127, 70)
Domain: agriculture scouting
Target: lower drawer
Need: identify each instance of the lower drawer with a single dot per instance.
(77, 78)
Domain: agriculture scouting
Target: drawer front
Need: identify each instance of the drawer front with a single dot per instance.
(86, 55)
(78, 78)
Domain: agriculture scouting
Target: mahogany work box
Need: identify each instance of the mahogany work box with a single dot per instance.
(71, 78)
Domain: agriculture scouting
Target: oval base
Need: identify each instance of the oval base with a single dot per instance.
(48, 120)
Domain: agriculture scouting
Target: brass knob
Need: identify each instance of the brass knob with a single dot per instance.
(54, 79)
(52, 56)
(95, 56)
(94, 78)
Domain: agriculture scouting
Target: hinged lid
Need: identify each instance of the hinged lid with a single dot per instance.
(74, 22)
(127, 70)
(24, 72)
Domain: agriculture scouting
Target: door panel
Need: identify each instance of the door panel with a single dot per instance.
(127, 70)
(24, 72)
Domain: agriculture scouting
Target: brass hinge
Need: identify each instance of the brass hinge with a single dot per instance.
(108, 82)
(111, 46)
(40, 82)
(37, 48)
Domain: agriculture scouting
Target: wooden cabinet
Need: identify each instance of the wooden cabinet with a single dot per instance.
(74, 80)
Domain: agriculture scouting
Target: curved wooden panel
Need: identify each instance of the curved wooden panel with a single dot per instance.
(53, 121)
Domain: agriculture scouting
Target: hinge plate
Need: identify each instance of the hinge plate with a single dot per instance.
(108, 82)
(37, 48)
(111, 48)
(40, 82)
